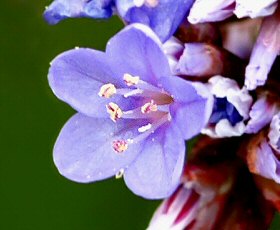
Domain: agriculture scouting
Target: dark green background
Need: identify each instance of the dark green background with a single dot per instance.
(33, 196)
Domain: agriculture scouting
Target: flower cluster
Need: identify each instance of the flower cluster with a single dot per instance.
(178, 69)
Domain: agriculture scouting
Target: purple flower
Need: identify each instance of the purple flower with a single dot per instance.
(133, 115)
(261, 113)
(211, 10)
(264, 150)
(199, 59)
(231, 108)
(264, 53)
(204, 60)
(253, 8)
(196, 60)
(173, 49)
(163, 16)
(218, 10)
(61, 9)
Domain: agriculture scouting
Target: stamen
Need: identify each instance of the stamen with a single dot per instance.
(107, 90)
(149, 107)
(120, 146)
(136, 92)
(137, 114)
(114, 111)
(154, 126)
(143, 85)
(144, 128)
(119, 174)
(149, 87)
(130, 80)
(142, 89)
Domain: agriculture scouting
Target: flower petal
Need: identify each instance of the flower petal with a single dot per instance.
(61, 9)
(137, 50)
(262, 161)
(155, 173)
(264, 53)
(83, 151)
(274, 133)
(162, 16)
(76, 76)
(199, 59)
(191, 108)
(224, 129)
(261, 114)
(173, 49)
(210, 11)
(253, 9)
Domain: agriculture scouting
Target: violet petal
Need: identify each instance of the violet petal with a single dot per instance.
(190, 111)
(137, 50)
(164, 17)
(265, 51)
(83, 151)
(211, 10)
(266, 163)
(76, 76)
(62, 9)
(156, 171)
(253, 8)
(260, 114)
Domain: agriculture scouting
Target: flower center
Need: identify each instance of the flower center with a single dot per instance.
(149, 107)
(224, 110)
(155, 107)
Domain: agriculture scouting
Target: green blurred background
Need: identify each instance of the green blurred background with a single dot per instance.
(33, 196)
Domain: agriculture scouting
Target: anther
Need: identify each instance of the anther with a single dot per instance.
(149, 107)
(144, 128)
(119, 174)
(107, 90)
(120, 146)
(114, 111)
(130, 80)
